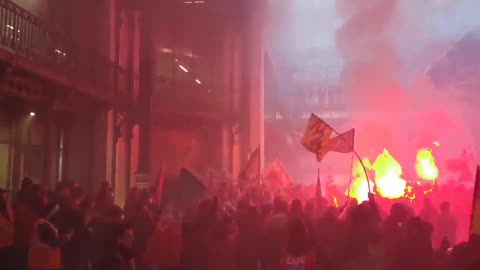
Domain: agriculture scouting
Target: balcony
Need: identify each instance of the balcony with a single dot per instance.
(49, 55)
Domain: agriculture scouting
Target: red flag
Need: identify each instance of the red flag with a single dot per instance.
(161, 180)
(276, 175)
(475, 215)
(252, 168)
(342, 143)
(186, 190)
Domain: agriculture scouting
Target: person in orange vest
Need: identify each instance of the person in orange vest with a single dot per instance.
(7, 230)
(44, 253)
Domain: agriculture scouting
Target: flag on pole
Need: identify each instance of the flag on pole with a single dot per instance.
(475, 215)
(186, 190)
(318, 190)
(316, 136)
(342, 143)
(157, 198)
(276, 175)
(252, 168)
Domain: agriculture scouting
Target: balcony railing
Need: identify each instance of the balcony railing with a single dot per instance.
(24, 34)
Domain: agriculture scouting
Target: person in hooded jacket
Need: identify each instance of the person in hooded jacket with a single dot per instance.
(299, 253)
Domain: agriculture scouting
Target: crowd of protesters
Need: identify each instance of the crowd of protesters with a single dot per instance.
(249, 229)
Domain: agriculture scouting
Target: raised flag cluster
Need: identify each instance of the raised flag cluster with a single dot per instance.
(317, 138)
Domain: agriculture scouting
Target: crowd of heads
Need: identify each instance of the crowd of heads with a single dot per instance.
(232, 227)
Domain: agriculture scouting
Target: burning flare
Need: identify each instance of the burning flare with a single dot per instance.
(359, 188)
(335, 201)
(410, 193)
(425, 165)
(388, 181)
(388, 174)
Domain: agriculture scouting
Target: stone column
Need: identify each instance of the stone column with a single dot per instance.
(227, 68)
(125, 58)
(130, 110)
(258, 82)
(254, 49)
(18, 127)
(234, 85)
(126, 130)
(49, 148)
(113, 134)
(113, 56)
(146, 84)
(99, 144)
(227, 146)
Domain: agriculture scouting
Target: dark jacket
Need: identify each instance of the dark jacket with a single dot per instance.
(116, 258)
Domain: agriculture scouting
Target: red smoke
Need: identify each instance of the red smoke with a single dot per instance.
(386, 111)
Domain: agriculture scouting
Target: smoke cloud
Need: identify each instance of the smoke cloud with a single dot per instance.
(388, 104)
(387, 46)
(370, 60)
(384, 48)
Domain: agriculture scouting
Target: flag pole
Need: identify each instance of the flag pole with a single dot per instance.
(351, 167)
(359, 159)
(318, 187)
(351, 177)
(259, 164)
(319, 183)
(474, 199)
(160, 184)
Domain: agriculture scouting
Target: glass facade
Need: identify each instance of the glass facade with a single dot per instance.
(188, 60)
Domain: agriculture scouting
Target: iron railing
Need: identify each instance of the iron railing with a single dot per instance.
(24, 34)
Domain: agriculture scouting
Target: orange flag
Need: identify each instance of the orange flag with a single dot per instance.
(276, 175)
(316, 136)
